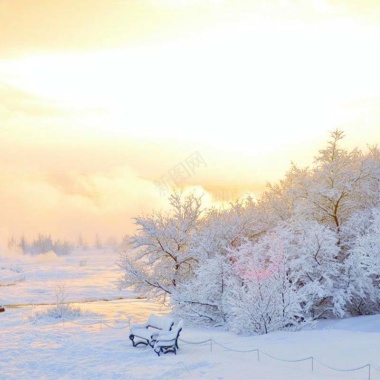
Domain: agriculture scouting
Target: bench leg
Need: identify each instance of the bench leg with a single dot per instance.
(167, 349)
(132, 337)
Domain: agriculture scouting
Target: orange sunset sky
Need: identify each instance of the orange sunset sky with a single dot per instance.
(100, 99)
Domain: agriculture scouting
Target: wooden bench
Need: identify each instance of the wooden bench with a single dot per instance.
(146, 333)
(168, 341)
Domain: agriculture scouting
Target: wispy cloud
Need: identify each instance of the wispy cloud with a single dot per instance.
(68, 204)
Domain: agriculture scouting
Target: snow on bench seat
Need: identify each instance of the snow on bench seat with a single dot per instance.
(168, 341)
(147, 332)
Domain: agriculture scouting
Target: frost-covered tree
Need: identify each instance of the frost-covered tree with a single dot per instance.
(203, 295)
(361, 279)
(311, 250)
(281, 200)
(287, 276)
(157, 258)
(261, 298)
(340, 183)
(202, 298)
(307, 249)
(368, 246)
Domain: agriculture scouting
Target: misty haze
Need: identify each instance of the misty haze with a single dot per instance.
(189, 189)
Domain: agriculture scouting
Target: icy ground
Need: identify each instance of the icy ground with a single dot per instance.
(94, 344)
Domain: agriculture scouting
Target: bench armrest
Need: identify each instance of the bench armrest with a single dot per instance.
(138, 326)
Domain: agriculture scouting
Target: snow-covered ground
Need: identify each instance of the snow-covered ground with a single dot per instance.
(93, 343)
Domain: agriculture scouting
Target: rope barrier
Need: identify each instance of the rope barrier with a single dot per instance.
(348, 370)
(287, 360)
(201, 342)
(312, 358)
(340, 369)
(235, 350)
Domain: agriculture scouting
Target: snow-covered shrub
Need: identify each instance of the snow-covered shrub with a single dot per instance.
(62, 308)
(63, 311)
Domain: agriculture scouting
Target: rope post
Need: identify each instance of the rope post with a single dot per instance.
(258, 355)
(211, 344)
(312, 363)
(369, 371)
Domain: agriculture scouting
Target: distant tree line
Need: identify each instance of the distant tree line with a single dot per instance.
(42, 244)
(46, 243)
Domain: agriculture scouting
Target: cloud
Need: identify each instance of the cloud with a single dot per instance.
(68, 190)
(73, 203)
(250, 95)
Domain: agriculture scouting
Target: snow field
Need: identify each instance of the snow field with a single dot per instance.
(95, 344)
